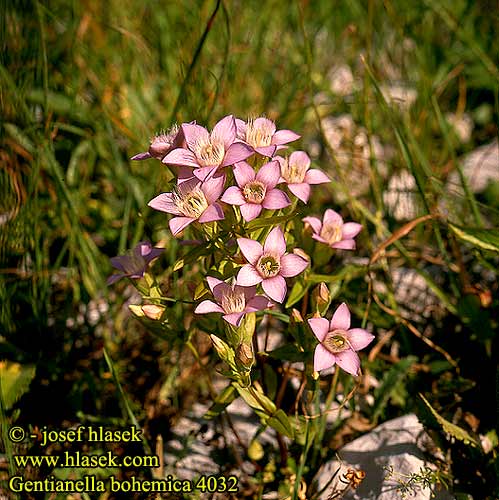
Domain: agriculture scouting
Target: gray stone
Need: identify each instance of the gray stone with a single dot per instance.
(397, 446)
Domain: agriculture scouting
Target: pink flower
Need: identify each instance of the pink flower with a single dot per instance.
(296, 173)
(134, 265)
(190, 201)
(338, 342)
(262, 136)
(162, 144)
(269, 265)
(256, 190)
(232, 301)
(333, 231)
(206, 152)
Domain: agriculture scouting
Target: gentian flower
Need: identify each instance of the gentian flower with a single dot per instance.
(256, 190)
(338, 342)
(296, 173)
(205, 151)
(269, 264)
(134, 265)
(190, 201)
(232, 301)
(333, 231)
(261, 134)
(162, 144)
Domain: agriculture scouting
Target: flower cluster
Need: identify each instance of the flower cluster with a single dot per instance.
(227, 178)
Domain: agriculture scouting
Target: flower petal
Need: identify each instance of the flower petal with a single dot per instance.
(213, 187)
(257, 303)
(213, 212)
(240, 128)
(341, 318)
(238, 151)
(349, 361)
(344, 245)
(248, 276)
(314, 222)
(163, 202)
(359, 338)
(141, 156)
(233, 318)
(275, 288)
(177, 224)
(315, 176)
(207, 306)
(269, 174)
(114, 278)
(214, 282)
(184, 174)
(320, 327)
(251, 249)
(203, 173)
(275, 199)
(225, 131)
(330, 216)
(301, 158)
(233, 196)
(275, 242)
(301, 191)
(180, 156)
(194, 134)
(291, 265)
(267, 151)
(284, 136)
(350, 230)
(243, 173)
(323, 358)
(250, 211)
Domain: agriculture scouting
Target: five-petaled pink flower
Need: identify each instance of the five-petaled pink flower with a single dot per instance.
(269, 264)
(333, 231)
(190, 201)
(135, 264)
(338, 342)
(232, 301)
(261, 134)
(256, 190)
(206, 152)
(162, 144)
(297, 174)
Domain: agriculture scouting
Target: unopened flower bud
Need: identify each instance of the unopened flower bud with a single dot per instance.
(223, 350)
(245, 355)
(320, 295)
(296, 316)
(153, 311)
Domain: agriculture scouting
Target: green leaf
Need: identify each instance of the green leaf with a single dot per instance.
(270, 221)
(14, 381)
(255, 450)
(280, 422)
(487, 239)
(450, 428)
(221, 402)
(288, 352)
(297, 292)
(390, 383)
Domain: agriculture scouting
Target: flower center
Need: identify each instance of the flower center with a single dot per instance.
(332, 233)
(209, 153)
(259, 135)
(336, 342)
(254, 192)
(268, 266)
(233, 302)
(191, 204)
(295, 173)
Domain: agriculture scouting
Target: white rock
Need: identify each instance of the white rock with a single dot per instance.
(397, 444)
